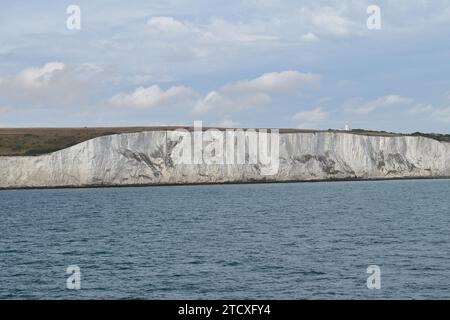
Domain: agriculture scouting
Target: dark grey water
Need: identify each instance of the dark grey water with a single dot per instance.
(274, 241)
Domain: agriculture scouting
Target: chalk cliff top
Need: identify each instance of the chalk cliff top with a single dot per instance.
(37, 141)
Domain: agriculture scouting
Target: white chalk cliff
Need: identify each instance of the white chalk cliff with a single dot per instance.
(146, 158)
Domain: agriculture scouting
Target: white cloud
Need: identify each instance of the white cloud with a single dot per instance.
(167, 25)
(359, 106)
(328, 20)
(211, 36)
(220, 30)
(437, 114)
(187, 40)
(421, 108)
(32, 78)
(152, 96)
(219, 33)
(221, 102)
(309, 37)
(53, 84)
(255, 92)
(229, 98)
(215, 35)
(310, 119)
(275, 82)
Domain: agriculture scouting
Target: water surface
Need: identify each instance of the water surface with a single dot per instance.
(263, 241)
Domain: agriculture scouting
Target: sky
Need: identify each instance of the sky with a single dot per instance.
(243, 63)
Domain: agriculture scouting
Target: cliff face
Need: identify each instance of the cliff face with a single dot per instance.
(146, 158)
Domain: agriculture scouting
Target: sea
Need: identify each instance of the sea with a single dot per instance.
(324, 240)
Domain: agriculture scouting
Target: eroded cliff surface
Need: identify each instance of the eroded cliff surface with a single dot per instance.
(146, 158)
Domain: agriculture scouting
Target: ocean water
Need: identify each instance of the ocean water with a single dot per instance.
(263, 241)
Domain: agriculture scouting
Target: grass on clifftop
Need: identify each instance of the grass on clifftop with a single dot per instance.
(37, 141)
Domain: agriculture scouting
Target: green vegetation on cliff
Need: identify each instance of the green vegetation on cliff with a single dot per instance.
(37, 141)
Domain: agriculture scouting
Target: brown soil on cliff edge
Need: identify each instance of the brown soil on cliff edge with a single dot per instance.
(37, 141)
